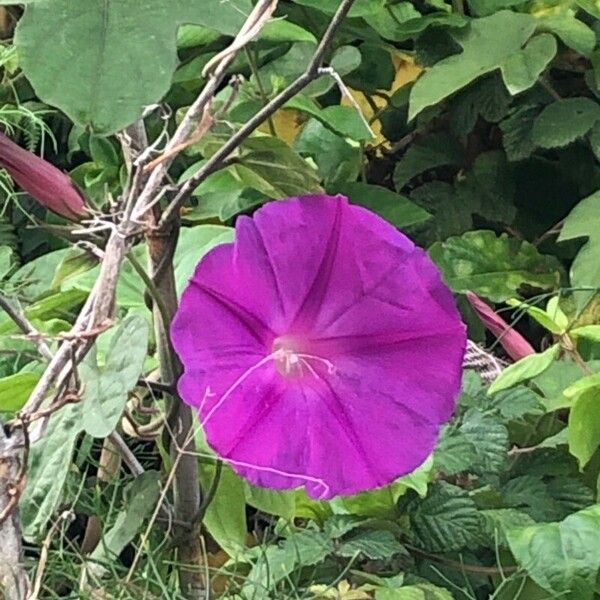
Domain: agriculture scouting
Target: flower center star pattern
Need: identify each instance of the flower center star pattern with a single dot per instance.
(321, 348)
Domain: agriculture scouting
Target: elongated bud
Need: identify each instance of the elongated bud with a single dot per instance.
(512, 341)
(41, 180)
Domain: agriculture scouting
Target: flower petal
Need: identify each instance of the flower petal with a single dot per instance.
(370, 339)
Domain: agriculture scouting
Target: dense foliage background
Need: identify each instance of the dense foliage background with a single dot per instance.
(474, 126)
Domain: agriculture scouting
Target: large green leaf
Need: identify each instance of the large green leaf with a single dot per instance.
(564, 557)
(375, 544)
(15, 390)
(281, 503)
(361, 8)
(584, 221)
(573, 32)
(106, 389)
(428, 154)
(96, 65)
(490, 43)
(489, 438)
(49, 464)
(562, 122)
(446, 520)
(225, 516)
(492, 266)
(455, 452)
(395, 208)
(584, 425)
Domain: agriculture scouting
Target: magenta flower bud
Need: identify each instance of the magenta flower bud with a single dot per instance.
(512, 341)
(42, 180)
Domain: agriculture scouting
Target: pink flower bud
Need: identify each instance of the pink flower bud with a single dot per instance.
(512, 341)
(41, 180)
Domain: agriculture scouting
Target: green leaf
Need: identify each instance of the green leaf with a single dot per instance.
(584, 425)
(112, 80)
(583, 221)
(273, 502)
(516, 403)
(517, 132)
(420, 591)
(486, 98)
(589, 332)
(540, 315)
(343, 120)
(193, 244)
(590, 6)
(562, 122)
(275, 563)
(561, 557)
(381, 502)
(524, 369)
(49, 464)
(582, 385)
(488, 44)
(5, 261)
(360, 8)
(106, 389)
(16, 389)
(521, 71)
(385, 22)
(395, 208)
(492, 266)
(270, 166)
(446, 520)
(432, 152)
(374, 544)
(141, 498)
(225, 517)
(338, 161)
(489, 437)
(339, 525)
(455, 452)
(484, 8)
(498, 521)
(488, 188)
(573, 33)
(280, 30)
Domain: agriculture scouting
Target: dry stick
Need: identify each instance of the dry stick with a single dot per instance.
(25, 326)
(190, 122)
(313, 71)
(14, 583)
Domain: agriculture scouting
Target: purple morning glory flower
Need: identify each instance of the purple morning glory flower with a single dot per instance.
(321, 348)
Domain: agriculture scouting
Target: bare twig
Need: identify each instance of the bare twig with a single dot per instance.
(25, 326)
(312, 72)
(193, 117)
(14, 583)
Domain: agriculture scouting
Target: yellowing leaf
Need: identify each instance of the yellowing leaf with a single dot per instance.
(288, 123)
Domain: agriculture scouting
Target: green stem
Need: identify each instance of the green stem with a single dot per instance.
(152, 289)
(261, 89)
